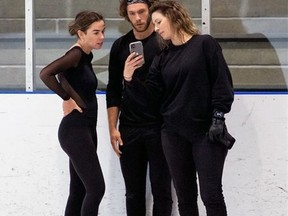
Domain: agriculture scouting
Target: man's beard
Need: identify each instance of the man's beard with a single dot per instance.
(146, 26)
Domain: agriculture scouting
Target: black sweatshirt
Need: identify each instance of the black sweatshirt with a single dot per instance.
(134, 110)
(191, 80)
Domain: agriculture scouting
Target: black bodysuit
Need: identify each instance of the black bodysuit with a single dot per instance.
(77, 131)
(76, 67)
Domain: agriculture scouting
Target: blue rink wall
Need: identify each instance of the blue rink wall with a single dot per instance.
(34, 169)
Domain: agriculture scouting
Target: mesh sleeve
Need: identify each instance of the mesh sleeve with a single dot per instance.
(62, 64)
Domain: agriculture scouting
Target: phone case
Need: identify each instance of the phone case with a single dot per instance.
(136, 47)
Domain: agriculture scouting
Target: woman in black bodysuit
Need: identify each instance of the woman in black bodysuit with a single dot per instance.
(77, 132)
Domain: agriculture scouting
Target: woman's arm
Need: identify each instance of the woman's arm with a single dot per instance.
(48, 73)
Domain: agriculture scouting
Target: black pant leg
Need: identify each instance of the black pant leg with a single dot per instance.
(178, 153)
(209, 160)
(133, 163)
(159, 173)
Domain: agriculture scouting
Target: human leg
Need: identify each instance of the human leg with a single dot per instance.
(159, 173)
(178, 153)
(133, 163)
(93, 181)
(76, 193)
(209, 160)
(77, 136)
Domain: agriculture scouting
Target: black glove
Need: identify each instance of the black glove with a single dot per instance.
(218, 131)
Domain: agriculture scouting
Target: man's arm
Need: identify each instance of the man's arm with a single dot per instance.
(115, 137)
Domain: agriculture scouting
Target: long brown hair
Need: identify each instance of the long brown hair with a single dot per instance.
(178, 16)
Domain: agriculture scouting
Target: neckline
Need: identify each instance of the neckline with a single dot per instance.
(183, 44)
(144, 39)
(77, 46)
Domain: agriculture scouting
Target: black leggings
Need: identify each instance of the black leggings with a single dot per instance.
(78, 138)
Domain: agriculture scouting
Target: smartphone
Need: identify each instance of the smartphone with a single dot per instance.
(136, 47)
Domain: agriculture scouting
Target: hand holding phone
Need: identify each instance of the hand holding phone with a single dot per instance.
(137, 47)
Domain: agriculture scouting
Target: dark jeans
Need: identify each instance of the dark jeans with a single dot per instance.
(186, 159)
(142, 146)
(78, 138)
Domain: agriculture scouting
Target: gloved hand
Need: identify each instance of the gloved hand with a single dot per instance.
(218, 131)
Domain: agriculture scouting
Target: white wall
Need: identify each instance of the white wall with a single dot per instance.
(34, 169)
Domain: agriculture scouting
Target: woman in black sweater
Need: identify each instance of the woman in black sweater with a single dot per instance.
(77, 131)
(194, 84)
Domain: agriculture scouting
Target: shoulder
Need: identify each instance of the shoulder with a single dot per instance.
(75, 51)
(153, 39)
(75, 54)
(123, 39)
(208, 42)
(204, 39)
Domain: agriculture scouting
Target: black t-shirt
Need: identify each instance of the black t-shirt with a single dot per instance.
(75, 66)
(134, 111)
